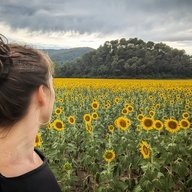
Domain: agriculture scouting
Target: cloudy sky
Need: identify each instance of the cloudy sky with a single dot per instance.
(79, 23)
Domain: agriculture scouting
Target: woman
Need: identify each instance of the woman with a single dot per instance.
(26, 102)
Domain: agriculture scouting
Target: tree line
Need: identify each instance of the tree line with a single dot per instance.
(132, 58)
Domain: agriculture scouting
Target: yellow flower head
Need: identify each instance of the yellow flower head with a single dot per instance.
(124, 111)
(89, 129)
(111, 128)
(38, 140)
(71, 120)
(185, 115)
(130, 108)
(94, 115)
(172, 125)
(147, 123)
(145, 149)
(158, 125)
(122, 123)
(58, 125)
(95, 105)
(184, 123)
(87, 118)
(109, 155)
(140, 117)
(58, 111)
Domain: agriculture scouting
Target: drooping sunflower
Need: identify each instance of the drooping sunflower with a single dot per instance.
(145, 149)
(185, 115)
(111, 128)
(38, 140)
(88, 127)
(95, 105)
(172, 125)
(151, 113)
(58, 125)
(109, 155)
(147, 123)
(87, 118)
(122, 123)
(184, 123)
(158, 125)
(71, 120)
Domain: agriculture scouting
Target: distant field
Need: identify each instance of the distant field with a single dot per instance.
(120, 135)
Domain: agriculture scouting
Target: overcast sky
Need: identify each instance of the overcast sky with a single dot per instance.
(79, 23)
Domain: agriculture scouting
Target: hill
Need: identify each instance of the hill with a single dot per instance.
(61, 56)
(132, 58)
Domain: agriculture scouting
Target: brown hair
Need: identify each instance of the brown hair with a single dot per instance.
(22, 71)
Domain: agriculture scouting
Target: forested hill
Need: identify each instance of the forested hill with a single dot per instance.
(61, 56)
(132, 58)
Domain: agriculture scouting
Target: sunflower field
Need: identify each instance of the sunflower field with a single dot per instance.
(120, 135)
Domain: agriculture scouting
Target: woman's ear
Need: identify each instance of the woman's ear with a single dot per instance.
(41, 95)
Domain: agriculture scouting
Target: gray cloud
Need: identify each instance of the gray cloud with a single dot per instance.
(148, 19)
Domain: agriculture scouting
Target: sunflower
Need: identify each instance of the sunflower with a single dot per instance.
(94, 115)
(117, 100)
(147, 123)
(107, 105)
(87, 118)
(58, 125)
(172, 125)
(58, 111)
(130, 108)
(109, 155)
(49, 125)
(187, 107)
(111, 128)
(38, 140)
(124, 111)
(88, 127)
(95, 105)
(151, 113)
(71, 120)
(158, 125)
(140, 117)
(184, 123)
(67, 166)
(145, 149)
(185, 115)
(122, 123)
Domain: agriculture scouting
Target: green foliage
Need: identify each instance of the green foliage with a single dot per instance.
(131, 58)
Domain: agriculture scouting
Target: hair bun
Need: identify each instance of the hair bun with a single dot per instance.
(5, 59)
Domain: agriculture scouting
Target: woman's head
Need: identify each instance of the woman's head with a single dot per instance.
(22, 71)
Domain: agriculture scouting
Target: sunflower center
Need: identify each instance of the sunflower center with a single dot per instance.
(123, 123)
(87, 118)
(158, 125)
(94, 105)
(59, 125)
(71, 120)
(109, 155)
(184, 123)
(172, 125)
(148, 123)
(145, 150)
